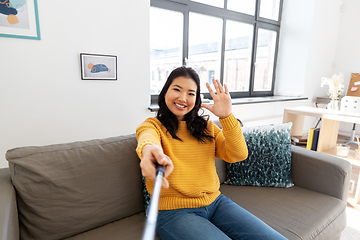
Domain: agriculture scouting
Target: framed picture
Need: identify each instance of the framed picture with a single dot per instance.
(19, 19)
(98, 67)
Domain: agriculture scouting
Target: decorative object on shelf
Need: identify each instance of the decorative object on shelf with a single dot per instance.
(334, 105)
(357, 153)
(19, 19)
(342, 150)
(98, 67)
(335, 90)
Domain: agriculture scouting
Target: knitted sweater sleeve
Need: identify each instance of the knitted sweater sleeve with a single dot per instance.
(230, 142)
(146, 133)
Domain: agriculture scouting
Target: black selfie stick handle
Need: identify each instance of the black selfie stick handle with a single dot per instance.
(149, 233)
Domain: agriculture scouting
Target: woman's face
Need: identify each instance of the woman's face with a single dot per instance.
(181, 96)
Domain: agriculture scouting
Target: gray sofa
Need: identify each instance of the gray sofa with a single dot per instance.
(93, 190)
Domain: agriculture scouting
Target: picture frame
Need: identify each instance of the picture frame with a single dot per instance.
(98, 67)
(20, 19)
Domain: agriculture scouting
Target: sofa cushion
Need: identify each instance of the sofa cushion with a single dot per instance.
(128, 228)
(66, 189)
(296, 213)
(269, 160)
(9, 220)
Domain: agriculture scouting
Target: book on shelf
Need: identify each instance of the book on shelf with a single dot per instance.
(310, 139)
(300, 144)
(299, 141)
(315, 139)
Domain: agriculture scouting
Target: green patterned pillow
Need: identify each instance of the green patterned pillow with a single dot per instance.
(269, 160)
(146, 196)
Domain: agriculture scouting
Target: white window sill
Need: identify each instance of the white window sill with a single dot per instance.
(248, 100)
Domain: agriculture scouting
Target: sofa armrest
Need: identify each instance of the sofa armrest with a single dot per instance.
(319, 172)
(9, 223)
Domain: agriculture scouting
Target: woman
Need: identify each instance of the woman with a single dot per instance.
(191, 205)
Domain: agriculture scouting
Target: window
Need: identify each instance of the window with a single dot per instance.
(235, 41)
(211, 76)
(264, 63)
(216, 3)
(166, 43)
(204, 51)
(269, 9)
(242, 6)
(238, 54)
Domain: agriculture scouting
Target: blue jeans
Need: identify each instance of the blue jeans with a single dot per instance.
(222, 219)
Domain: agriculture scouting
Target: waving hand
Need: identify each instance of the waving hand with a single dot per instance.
(222, 100)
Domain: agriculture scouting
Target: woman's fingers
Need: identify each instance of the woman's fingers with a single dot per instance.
(165, 161)
(217, 85)
(165, 183)
(222, 100)
(210, 90)
(208, 107)
(226, 89)
(169, 167)
(152, 155)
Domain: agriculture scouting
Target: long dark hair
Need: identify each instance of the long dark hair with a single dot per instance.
(195, 123)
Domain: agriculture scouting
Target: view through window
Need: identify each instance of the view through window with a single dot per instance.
(235, 41)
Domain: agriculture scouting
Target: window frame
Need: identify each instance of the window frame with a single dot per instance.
(187, 6)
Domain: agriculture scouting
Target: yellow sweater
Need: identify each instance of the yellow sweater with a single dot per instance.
(194, 182)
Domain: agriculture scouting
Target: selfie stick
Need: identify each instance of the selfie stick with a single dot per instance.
(149, 233)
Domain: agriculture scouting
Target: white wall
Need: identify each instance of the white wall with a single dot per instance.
(347, 58)
(308, 43)
(348, 50)
(318, 39)
(333, 47)
(295, 37)
(42, 97)
(44, 101)
(322, 48)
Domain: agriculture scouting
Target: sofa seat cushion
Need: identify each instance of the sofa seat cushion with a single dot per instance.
(128, 228)
(66, 189)
(296, 213)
